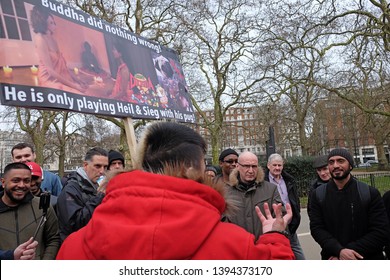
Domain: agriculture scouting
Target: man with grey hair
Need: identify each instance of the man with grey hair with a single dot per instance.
(248, 188)
(80, 195)
(287, 190)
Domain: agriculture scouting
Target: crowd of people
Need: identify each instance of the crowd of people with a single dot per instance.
(170, 205)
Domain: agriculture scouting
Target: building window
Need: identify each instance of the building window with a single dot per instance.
(368, 151)
(13, 21)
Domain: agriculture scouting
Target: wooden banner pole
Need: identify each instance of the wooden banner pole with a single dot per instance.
(131, 140)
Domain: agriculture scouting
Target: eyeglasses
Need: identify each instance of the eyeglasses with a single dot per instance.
(231, 161)
(248, 166)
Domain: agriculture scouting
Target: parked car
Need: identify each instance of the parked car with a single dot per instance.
(371, 161)
(364, 164)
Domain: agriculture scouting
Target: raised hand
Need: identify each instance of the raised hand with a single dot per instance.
(280, 222)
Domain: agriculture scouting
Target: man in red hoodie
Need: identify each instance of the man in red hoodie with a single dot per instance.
(164, 210)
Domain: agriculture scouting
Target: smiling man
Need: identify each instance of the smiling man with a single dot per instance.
(80, 195)
(24, 152)
(347, 217)
(20, 214)
(228, 162)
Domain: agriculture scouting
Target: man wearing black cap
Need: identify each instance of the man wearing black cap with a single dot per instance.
(115, 160)
(320, 165)
(228, 162)
(347, 217)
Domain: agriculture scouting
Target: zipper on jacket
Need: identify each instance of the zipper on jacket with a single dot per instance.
(353, 223)
(17, 227)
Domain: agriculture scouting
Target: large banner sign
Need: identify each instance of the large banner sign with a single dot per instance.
(56, 57)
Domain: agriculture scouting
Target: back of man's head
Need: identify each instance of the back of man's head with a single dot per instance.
(173, 149)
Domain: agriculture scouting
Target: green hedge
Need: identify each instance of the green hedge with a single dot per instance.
(301, 168)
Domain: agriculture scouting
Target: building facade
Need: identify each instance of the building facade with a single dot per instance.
(338, 123)
(245, 129)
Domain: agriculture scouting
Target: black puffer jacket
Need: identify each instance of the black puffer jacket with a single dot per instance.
(76, 203)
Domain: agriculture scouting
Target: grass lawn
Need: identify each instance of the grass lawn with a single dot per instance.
(382, 183)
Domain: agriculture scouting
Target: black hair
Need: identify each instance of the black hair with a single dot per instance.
(21, 146)
(39, 16)
(95, 152)
(15, 165)
(172, 145)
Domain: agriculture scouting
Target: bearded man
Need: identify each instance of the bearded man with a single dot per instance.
(347, 217)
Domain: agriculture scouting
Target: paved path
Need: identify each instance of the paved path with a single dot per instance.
(309, 246)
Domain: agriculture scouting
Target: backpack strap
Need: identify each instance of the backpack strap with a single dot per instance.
(364, 193)
(363, 190)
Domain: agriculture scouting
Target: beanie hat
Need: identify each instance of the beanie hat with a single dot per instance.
(211, 168)
(227, 152)
(36, 170)
(320, 161)
(114, 155)
(342, 153)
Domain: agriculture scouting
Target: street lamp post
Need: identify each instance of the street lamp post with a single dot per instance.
(356, 153)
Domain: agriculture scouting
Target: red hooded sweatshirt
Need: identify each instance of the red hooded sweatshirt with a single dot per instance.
(150, 216)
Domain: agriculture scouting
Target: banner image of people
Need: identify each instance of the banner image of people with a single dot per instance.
(53, 56)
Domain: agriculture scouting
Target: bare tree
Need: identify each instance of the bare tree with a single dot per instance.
(216, 44)
(36, 124)
(344, 31)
